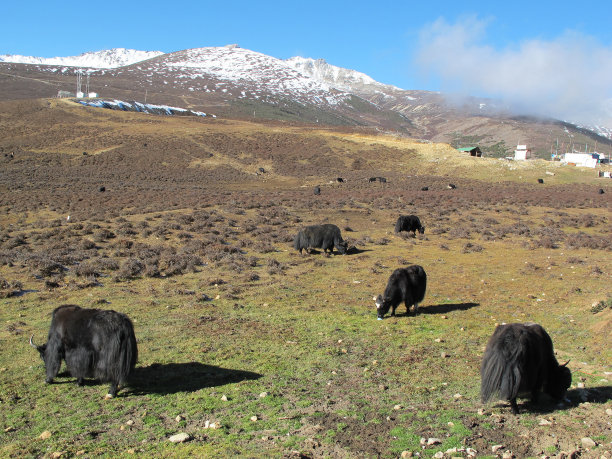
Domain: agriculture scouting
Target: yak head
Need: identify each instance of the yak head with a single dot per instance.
(422, 229)
(559, 381)
(41, 349)
(382, 306)
(342, 247)
(50, 365)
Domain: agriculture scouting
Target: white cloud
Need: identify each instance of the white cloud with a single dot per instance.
(569, 77)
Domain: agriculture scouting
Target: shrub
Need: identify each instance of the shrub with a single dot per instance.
(602, 305)
(132, 267)
(103, 235)
(275, 266)
(470, 248)
(86, 269)
(9, 288)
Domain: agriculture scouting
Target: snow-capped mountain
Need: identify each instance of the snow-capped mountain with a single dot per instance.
(106, 59)
(337, 77)
(250, 73)
(234, 82)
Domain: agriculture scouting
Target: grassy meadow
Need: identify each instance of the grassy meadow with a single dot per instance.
(254, 350)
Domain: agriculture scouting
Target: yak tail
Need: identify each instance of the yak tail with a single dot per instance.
(500, 376)
(120, 353)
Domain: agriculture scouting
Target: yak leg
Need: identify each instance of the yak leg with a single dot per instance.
(112, 390)
(535, 395)
(514, 406)
(80, 381)
(53, 359)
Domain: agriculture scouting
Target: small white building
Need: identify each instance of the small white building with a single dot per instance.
(581, 159)
(522, 153)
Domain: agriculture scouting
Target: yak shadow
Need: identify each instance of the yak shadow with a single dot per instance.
(355, 251)
(171, 378)
(446, 308)
(574, 397)
(335, 253)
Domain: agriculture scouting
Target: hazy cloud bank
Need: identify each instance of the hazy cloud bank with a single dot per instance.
(569, 77)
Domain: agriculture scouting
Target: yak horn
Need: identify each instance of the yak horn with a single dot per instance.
(31, 343)
(565, 364)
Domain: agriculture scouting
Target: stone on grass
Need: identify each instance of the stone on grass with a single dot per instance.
(180, 438)
(263, 395)
(439, 455)
(254, 418)
(496, 448)
(609, 411)
(224, 398)
(45, 435)
(587, 442)
(406, 454)
(433, 441)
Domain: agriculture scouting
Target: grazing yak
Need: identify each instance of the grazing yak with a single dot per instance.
(95, 343)
(377, 179)
(324, 237)
(519, 359)
(405, 284)
(409, 223)
(317, 190)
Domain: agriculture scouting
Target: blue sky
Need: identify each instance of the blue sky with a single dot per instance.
(433, 45)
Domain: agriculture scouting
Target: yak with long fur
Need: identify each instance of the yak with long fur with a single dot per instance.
(409, 223)
(324, 237)
(405, 284)
(94, 343)
(518, 359)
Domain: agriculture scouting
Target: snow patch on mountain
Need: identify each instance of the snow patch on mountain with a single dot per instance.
(106, 59)
(249, 69)
(338, 77)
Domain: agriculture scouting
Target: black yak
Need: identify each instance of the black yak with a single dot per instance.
(409, 223)
(405, 284)
(519, 359)
(317, 190)
(324, 237)
(95, 343)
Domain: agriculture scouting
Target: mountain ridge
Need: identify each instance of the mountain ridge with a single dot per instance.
(236, 82)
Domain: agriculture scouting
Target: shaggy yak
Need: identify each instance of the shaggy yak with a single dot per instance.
(519, 359)
(324, 237)
(94, 343)
(409, 223)
(405, 284)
